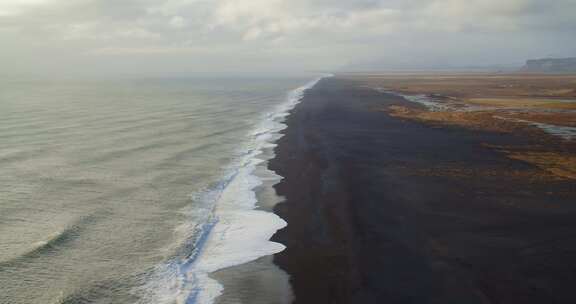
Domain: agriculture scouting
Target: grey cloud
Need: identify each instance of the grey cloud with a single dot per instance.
(285, 33)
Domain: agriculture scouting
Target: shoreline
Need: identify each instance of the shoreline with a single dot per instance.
(256, 273)
(382, 209)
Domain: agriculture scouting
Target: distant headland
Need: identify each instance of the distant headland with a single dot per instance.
(551, 65)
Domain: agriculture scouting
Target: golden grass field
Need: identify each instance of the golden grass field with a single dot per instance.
(465, 86)
(505, 103)
(524, 102)
(539, 98)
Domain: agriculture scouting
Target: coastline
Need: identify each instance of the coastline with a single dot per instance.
(231, 260)
(238, 252)
(382, 209)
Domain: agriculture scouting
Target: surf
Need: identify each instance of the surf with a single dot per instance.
(233, 231)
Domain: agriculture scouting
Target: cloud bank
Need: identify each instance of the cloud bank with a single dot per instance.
(181, 36)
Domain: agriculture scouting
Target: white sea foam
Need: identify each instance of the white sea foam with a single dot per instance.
(233, 232)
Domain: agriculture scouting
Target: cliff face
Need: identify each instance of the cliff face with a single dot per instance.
(551, 65)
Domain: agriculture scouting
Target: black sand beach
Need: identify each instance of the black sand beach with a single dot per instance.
(385, 210)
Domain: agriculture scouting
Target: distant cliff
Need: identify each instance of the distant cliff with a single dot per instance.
(551, 65)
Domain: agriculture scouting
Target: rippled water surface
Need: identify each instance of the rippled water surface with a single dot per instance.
(103, 181)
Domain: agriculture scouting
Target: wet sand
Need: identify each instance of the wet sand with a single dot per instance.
(382, 209)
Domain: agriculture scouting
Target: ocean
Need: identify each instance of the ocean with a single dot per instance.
(140, 191)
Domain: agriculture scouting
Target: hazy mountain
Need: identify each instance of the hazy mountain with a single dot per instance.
(551, 65)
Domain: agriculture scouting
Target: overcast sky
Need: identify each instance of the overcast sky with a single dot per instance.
(165, 37)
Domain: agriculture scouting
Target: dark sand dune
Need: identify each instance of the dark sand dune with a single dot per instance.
(384, 210)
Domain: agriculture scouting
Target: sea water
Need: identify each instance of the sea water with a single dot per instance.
(136, 191)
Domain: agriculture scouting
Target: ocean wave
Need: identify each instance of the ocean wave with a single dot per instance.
(55, 242)
(230, 230)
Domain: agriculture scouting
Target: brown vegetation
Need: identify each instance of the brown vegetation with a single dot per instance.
(559, 162)
(511, 101)
(523, 102)
(556, 161)
(477, 120)
(466, 86)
